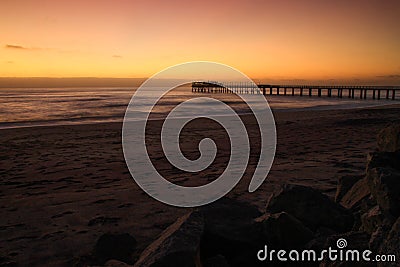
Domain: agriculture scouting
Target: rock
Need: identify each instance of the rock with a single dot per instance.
(371, 220)
(358, 192)
(383, 159)
(282, 230)
(216, 261)
(7, 262)
(389, 138)
(231, 231)
(311, 207)
(391, 244)
(377, 238)
(115, 263)
(318, 243)
(384, 184)
(345, 183)
(232, 220)
(178, 245)
(114, 246)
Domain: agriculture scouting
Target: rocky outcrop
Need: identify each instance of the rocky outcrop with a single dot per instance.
(371, 220)
(311, 207)
(116, 263)
(216, 261)
(178, 245)
(383, 160)
(375, 199)
(353, 198)
(391, 243)
(389, 138)
(285, 231)
(231, 220)
(231, 231)
(224, 233)
(345, 183)
(384, 184)
(114, 246)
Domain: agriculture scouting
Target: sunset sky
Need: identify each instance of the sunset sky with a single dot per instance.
(277, 39)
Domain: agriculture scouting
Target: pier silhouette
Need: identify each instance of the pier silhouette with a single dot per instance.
(340, 91)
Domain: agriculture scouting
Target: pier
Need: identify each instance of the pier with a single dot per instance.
(339, 91)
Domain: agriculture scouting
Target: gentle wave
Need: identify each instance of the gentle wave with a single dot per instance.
(24, 107)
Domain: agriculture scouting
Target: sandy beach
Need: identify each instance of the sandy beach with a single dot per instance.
(64, 186)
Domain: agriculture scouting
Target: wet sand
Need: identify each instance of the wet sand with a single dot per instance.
(64, 186)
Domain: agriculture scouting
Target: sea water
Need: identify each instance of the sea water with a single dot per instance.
(31, 107)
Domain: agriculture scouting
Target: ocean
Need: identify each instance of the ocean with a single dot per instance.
(33, 107)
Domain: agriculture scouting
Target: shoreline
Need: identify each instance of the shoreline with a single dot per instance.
(117, 119)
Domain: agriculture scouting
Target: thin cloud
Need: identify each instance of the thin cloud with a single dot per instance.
(9, 62)
(20, 47)
(117, 56)
(10, 46)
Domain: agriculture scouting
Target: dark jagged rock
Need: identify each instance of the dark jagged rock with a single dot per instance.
(379, 236)
(216, 261)
(384, 184)
(318, 243)
(232, 220)
(391, 244)
(358, 192)
(114, 246)
(285, 231)
(223, 233)
(389, 138)
(116, 263)
(231, 231)
(345, 183)
(371, 220)
(178, 245)
(311, 207)
(6, 262)
(383, 160)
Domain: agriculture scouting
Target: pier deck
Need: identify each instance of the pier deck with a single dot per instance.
(340, 91)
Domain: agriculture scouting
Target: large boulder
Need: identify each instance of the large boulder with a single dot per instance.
(114, 246)
(389, 138)
(232, 220)
(345, 183)
(371, 220)
(216, 261)
(178, 245)
(391, 244)
(357, 193)
(311, 207)
(223, 233)
(116, 263)
(383, 160)
(384, 184)
(282, 230)
(231, 231)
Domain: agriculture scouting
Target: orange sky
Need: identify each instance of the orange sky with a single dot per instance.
(264, 39)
